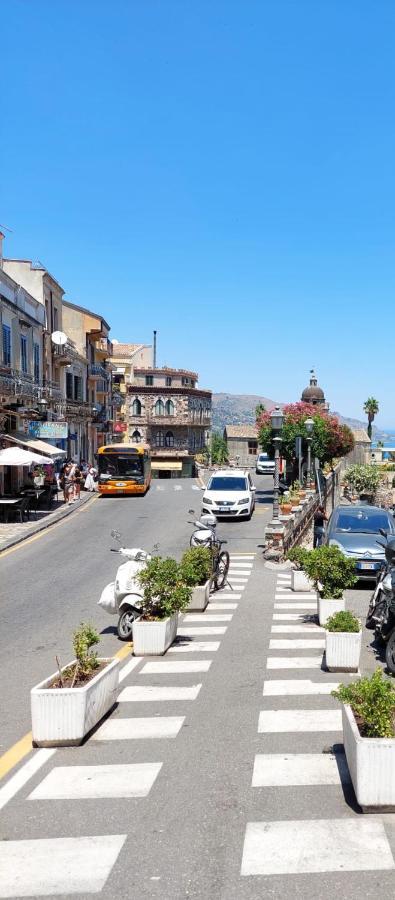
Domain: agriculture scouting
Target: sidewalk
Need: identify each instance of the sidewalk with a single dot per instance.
(14, 532)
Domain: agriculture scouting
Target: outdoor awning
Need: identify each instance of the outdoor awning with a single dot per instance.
(16, 456)
(162, 464)
(43, 447)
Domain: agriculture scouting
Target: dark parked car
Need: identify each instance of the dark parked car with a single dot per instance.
(355, 530)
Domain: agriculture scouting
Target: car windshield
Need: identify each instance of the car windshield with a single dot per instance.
(227, 484)
(263, 457)
(362, 522)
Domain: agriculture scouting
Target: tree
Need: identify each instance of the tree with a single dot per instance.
(363, 478)
(261, 408)
(330, 439)
(371, 408)
(219, 449)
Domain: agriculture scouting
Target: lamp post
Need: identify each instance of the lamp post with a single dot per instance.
(309, 425)
(277, 419)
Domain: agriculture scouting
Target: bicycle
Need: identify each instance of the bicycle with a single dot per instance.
(205, 536)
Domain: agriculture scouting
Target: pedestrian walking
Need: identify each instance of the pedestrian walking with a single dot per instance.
(78, 481)
(320, 518)
(90, 483)
(68, 486)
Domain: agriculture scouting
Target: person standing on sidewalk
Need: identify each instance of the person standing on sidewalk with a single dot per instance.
(320, 518)
(78, 481)
(68, 489)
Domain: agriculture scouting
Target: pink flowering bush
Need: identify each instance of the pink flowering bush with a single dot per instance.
(330, 439)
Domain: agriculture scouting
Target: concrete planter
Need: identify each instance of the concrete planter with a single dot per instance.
(200, 598)
(62, 717)
(300, 581)
(371, 762)
(342, 651)
(328, 607)
(154, 638)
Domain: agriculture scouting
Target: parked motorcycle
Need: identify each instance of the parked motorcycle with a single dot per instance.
(381, 612)
(123, 597)
(205, 536)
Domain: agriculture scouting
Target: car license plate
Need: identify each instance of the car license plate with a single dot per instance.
(224, 509)
(366, 565)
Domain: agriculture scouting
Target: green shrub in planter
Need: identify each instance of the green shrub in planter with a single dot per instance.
(298, 555)
(372, 701)
(330, 571)
(343, 621)
(165, 591)
(196, 565)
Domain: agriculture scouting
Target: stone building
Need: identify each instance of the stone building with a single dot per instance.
(169, 412)
(242, 442)
(313, 393)
(124, 359)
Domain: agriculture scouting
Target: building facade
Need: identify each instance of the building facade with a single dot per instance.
(242, 443)
(169, 412)
(125, 357)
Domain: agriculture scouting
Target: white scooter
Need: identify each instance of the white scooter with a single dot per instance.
(123, 597)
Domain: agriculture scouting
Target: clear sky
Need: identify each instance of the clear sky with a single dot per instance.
(222, 171)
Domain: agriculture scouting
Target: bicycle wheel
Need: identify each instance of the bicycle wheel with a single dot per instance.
(221, 570)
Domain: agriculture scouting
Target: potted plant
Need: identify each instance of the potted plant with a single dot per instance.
(299, 579)
(331, 573)
(369, 739)
(68, 704)
(165, 594)
(196, 566)
(285, 504)
(342, 642)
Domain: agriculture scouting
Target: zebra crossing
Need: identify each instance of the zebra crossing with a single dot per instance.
(300, 715)
(176, 487)
(67, 865)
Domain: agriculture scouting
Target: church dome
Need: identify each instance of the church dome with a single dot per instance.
(313, 393)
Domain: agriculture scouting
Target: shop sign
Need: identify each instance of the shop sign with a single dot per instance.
(57, 430)
(120, 426)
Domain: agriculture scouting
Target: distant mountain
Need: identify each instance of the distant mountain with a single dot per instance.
(239, 409)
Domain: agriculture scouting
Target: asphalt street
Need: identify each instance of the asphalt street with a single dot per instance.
(49, 585)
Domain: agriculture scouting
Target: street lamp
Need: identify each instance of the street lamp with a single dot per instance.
(277, 420)
(309, 426)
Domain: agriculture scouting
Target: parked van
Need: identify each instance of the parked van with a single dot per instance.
(264, 465)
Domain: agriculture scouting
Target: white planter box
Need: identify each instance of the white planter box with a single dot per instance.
(371, 762)
(154, 638)
(342, 651)
(328, 607)
(300, 581)
(63, 716)
(200, 598)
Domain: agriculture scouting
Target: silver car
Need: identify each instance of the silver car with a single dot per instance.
(356, 530)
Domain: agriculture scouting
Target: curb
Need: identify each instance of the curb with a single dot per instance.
(44, 526)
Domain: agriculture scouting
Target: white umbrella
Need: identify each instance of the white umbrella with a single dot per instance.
(16, 456)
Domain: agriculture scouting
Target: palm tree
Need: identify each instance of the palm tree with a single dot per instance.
(371, 408)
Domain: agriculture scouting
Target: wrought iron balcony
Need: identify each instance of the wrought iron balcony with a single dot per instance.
(95, 370)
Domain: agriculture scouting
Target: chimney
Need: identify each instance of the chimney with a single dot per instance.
(1, 249)
(154, 366)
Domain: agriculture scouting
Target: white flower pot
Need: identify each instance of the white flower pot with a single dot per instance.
(154, 638)
(328, 607)
(300, 581)
(371, 762)
(200, 598)
(342, 650)
(63, 716)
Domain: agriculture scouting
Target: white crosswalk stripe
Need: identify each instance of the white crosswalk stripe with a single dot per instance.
(158, 693)
(226, 617)
(219, 606)
(195, 646)
(297, 644)
(139, 728)
(291, 769)
(305, 605)
(294, 662)
(201, 629)
(278, 720)
(297, 688)
(297, 629)
(93, 782)
(176, 668)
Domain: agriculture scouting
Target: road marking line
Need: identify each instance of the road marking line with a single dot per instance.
(48, 529)
(94, 782)
(207, 619)
(195, 647)
(297, 644)
(281, 720)
(128, 668)
(124, 651)
(176, 668)
(39, 758)
(13, 756)
(219, 606)
(157, 694)
(201, 629)
(139, 728)
(52, 866)
(292, 769)
(296, 688)
(294, 617)
(294, 662)
(295, 606)
(297, 629)
(234, 595)
(320, 845)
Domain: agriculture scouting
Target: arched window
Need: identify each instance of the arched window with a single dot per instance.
(136, 407)
(136, 437)
(169, 408)
(160, 439)
(169, 439)
(159, 408)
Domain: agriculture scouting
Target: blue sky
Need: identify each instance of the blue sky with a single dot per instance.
(220, 171)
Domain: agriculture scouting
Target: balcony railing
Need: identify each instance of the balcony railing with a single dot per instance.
(95, 370)
(19, 384)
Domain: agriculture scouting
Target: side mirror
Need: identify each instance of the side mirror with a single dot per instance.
(253, 488)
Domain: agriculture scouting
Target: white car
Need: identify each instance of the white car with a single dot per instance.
(264, 465)
(230, 492)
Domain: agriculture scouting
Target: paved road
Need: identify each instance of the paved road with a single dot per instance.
(49, 585)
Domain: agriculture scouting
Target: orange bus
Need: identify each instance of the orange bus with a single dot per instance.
(124, 469)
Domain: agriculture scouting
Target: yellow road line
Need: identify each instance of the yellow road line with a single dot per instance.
(22, 748)
(47, 530)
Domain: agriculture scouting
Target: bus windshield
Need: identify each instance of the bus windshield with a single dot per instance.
(122, 466)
